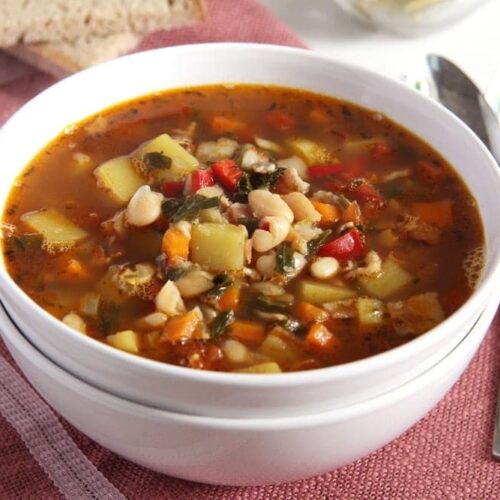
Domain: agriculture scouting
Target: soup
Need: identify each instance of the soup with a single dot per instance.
(243, 228)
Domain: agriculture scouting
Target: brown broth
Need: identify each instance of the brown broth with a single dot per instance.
(55, 179)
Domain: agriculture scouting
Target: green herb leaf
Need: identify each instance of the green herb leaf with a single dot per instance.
(187, 208)
(284, 259)
(221, 282)
(156, 160)
(221, 322)
(314, 244)
(274, 303)
(244, 184)
(250, 223)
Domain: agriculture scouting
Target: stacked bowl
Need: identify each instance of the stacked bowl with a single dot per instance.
(229, 428)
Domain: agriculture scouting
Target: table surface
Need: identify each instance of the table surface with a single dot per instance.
(473, 43)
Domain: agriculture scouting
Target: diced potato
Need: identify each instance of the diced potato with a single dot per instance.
(319, 293)
(390, 281)
(370, 311)
(74, 321)
(278, 348)
(89, 304)
(126, 340)
(119, 177)
(58, 232)
(182, 163)
(219, 247)
(269, 367)
(310, 151)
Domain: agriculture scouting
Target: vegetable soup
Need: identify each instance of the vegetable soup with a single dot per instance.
(243, 228)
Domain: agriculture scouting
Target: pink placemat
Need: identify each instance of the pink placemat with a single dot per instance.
(445, 456)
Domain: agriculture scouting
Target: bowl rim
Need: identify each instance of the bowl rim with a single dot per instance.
(302, 378)
(16, 337)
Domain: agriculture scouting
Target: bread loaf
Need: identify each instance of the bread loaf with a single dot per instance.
(35, 21)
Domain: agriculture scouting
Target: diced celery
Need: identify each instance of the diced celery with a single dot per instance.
(370, 311)
(219, 247)
(119, 177)
(269, 367)
(107, 287)
(319, 293)
(391, 280)
(310, 151)
(89, 304)
(126, 340)
(58, 232)
(181, 162)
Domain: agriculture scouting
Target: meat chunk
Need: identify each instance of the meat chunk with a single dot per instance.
(415, 228)
(416, 315)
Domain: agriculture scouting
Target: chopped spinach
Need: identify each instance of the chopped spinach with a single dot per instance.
(108, 315)
(174, 273)
(221, 282)
(187, 208)
(314, 244)
(273, 303)
(284, 259)
(391, 190)
(250, 223)
(25, 242)
(221, 322)
(157, 160)
(254, 180)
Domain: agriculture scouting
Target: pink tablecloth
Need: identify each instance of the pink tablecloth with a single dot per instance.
(445, 456)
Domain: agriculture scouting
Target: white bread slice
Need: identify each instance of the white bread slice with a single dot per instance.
(34, 21)
(64, 58)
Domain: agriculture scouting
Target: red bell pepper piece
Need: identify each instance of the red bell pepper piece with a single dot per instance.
(281, 119)
(201, 179)
(380, 151)
(365, 192)
(348, 246)
(227, 173)
(325, 169)
(172, 189)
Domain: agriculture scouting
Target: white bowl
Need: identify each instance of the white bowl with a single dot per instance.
(236, 395)
(240, 451)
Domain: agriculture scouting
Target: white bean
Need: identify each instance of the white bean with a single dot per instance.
(144, 207)
(75, 321)
(152, 321)
(210, 191)
(264, 203)
(194, 283)
(302, 207)
(266, 264)
(325, 268)
(264, 240)
(235, 351)
(169, 300)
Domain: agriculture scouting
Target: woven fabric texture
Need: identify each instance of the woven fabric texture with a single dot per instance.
(445, 456)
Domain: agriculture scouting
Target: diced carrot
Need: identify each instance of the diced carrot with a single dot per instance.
(437, 213)
(221, 124)
(320, 339)
(175, 244)
(329, 213)
(248, 331)
(229, 299)
(352, 214)
(319, 116)
(430, 172)
(307, 313)
(181, 328)
(281, 119)
(380, 151)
